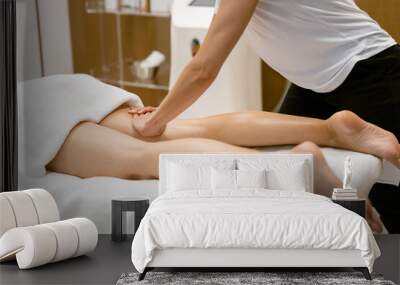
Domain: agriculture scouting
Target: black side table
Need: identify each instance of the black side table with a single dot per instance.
(357, 206)
(121, 205)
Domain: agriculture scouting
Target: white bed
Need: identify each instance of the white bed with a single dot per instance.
(249, 228)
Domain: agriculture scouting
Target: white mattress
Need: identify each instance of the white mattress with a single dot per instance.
(90, 197)
(252, 219)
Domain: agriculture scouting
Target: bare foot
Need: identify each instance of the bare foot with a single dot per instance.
(351, 132)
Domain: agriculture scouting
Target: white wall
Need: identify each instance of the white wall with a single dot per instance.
(28, 48)
(51, 55)
(56, 36)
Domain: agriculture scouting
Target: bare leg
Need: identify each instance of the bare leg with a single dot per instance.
(92, 150)
(343, 130)
(244, 129)
(324, 178)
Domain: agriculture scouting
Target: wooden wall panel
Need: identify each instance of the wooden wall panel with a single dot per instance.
(93, 39)
(385, 12)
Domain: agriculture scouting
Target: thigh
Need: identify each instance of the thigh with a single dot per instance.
(93, 150)
(304, 102)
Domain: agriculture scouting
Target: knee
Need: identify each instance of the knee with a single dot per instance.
(309, 147)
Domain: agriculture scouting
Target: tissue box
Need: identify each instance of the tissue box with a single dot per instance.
(161, 6)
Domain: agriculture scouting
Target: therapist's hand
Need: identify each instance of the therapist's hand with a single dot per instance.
(145, 127)
(141, 110)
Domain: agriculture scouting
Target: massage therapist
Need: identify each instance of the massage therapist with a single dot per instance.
(334, 54)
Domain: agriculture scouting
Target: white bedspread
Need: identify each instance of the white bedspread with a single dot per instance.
(50, 107)
(253, 219)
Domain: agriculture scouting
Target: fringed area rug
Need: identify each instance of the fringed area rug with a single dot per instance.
(244, 278)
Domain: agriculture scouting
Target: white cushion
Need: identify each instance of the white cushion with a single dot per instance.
(183, 178)
(27, 208)
(40, 244)
(223, 179)
(67, 237)
(32, 246)
(87, 233)
(288, 175)
(7, 220)
(45, 206)
(23, 208)
(226, 179)
(251, 178)
(191, 176)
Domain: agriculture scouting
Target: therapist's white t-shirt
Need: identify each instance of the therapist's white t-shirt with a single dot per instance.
(314, 43)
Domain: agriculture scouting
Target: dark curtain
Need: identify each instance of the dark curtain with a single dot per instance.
(8, 97)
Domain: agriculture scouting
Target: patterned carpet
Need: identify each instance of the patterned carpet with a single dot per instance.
(244, 278)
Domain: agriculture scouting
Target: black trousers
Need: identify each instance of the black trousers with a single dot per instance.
(372, 91)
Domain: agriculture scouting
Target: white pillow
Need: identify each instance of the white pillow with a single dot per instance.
(290, 175)
(187, 176)
(251, 179)
(226, 179)
(223, 179)
(182, 177)
(293, 180)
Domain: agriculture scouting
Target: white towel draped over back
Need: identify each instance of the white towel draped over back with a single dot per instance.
(49, 108)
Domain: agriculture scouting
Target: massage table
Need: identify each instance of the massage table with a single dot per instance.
(91, 197)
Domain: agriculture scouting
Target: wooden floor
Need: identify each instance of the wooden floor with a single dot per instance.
(110, 260)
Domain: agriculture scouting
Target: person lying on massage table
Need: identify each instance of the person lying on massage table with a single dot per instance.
(114, 148)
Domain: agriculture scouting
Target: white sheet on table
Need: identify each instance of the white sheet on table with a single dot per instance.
(251, 219)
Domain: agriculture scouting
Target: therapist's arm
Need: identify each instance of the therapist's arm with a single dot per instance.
(224, 32)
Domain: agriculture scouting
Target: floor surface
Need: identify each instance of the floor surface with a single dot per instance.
(110, 260)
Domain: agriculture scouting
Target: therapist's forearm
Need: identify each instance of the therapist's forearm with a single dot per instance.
(191, 84)
(224, 32)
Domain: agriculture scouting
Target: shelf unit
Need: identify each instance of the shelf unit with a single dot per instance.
(124, 79)
(127, 11)
(108, 75)
(106, 42)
